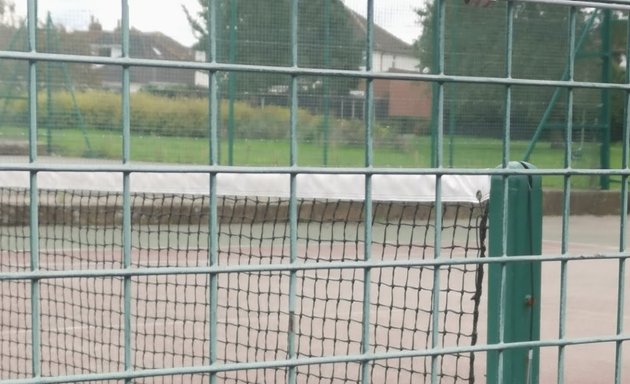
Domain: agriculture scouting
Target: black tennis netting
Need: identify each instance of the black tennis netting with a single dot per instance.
(82, 318)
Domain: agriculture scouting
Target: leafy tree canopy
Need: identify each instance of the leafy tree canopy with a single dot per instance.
(7, 13)
(262, 36)
(475, 41)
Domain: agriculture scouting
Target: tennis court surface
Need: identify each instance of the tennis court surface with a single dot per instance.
(82, 318)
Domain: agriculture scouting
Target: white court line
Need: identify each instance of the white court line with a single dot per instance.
(152, 256)
(581, 244)
(163, 323)
(80, 328)
(76, 261)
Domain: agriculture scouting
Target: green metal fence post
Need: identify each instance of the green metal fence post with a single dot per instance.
(232, 78)
(126, 203)
(35, 304)
(521, 306)
(604, 151)
(294, 327)
(557, 92)
(368, 113)
(452, 112)
(213, 144)
(49, 117)
(326, 82)
(436, 68)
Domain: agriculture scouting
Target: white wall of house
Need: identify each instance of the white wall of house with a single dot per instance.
(383, 62)
(201, 77)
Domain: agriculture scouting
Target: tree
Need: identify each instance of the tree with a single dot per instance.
(263, 37)
(619, 43)
(475, 45)
(7, 13)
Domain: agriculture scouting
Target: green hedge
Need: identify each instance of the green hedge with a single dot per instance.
(187, 117)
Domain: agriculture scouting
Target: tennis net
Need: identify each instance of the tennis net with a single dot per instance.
(80, 227)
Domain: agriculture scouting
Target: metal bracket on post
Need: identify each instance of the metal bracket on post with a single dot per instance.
(521, 305)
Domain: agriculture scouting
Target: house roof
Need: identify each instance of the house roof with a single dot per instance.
(384, 41)
(7, 38)
(147, 45)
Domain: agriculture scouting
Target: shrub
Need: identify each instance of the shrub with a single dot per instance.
(187, 117)
(159, 115)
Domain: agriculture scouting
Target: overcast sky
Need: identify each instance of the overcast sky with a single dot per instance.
(396, 16)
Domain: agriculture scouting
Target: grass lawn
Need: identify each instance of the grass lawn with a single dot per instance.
(467, 152)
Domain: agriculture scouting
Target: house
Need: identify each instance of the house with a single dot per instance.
(404, 99)
(97, 42)
(398, 99)
(390, 54)
(152, 45)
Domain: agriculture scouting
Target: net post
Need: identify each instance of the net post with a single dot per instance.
(521, 304)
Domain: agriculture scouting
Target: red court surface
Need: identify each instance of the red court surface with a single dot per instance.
(591, 300)
(82, 319)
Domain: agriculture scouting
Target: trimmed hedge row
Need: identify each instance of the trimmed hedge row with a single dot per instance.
(157, 115)
(185, 117)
